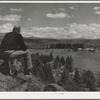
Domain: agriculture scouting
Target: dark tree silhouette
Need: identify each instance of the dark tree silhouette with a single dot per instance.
(48, 74)
(56, 62)
(50, 57)
(89, 80)
(64, 75)
(77, 77)
(69, 63)
(62, 60)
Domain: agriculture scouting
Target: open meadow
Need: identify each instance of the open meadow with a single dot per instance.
(81, 59)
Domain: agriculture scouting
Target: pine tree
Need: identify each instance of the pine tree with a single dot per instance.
(57, 58)
(64, 75)
(56, 62)
(69, 63)
(62, 60)
(77, 78)
(48, 74)
(89, 80)
(50, 57)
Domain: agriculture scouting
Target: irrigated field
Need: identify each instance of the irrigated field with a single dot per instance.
(81, 59)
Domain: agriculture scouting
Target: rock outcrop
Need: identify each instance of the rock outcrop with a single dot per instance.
(13, 78)
(20, 83)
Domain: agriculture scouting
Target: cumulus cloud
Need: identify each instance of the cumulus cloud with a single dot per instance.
(62, 9)
(91, 31)
(48, 32)
(96, 10)
(59, 9)
(73, 7)
(58, 15)
(12, 17)
(16, 10)
(7, 27)
(45, 32)
(70, 31)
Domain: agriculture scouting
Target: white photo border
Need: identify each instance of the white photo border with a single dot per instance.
(49, 95)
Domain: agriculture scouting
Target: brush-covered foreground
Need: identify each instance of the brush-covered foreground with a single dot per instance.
(20, 83)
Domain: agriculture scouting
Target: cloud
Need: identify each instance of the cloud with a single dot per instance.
(96, 10)
(29, 19)
(55, 10)
(58, 15)
(91, 31)
(48, 32)
(62, 9)
(16, 10)
(73, 7)
(7, 27)
(59, 9)
(12, 17)
(45, 32)
(70, 31)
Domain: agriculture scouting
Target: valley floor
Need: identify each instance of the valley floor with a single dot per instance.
(81, 59)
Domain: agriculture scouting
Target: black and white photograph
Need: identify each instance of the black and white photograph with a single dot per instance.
(50, 47)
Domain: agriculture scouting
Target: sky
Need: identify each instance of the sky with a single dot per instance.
(52, 20)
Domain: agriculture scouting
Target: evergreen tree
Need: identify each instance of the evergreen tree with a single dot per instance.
(77, 78)
(48, 74)
(64, 75)
(69, 60)
(56, 62)
(67, 66)
(62, 60)
(50, 57)
(89, 80)
(69, 63)
(57, 58)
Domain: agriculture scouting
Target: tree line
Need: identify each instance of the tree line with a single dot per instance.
(66, 46)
